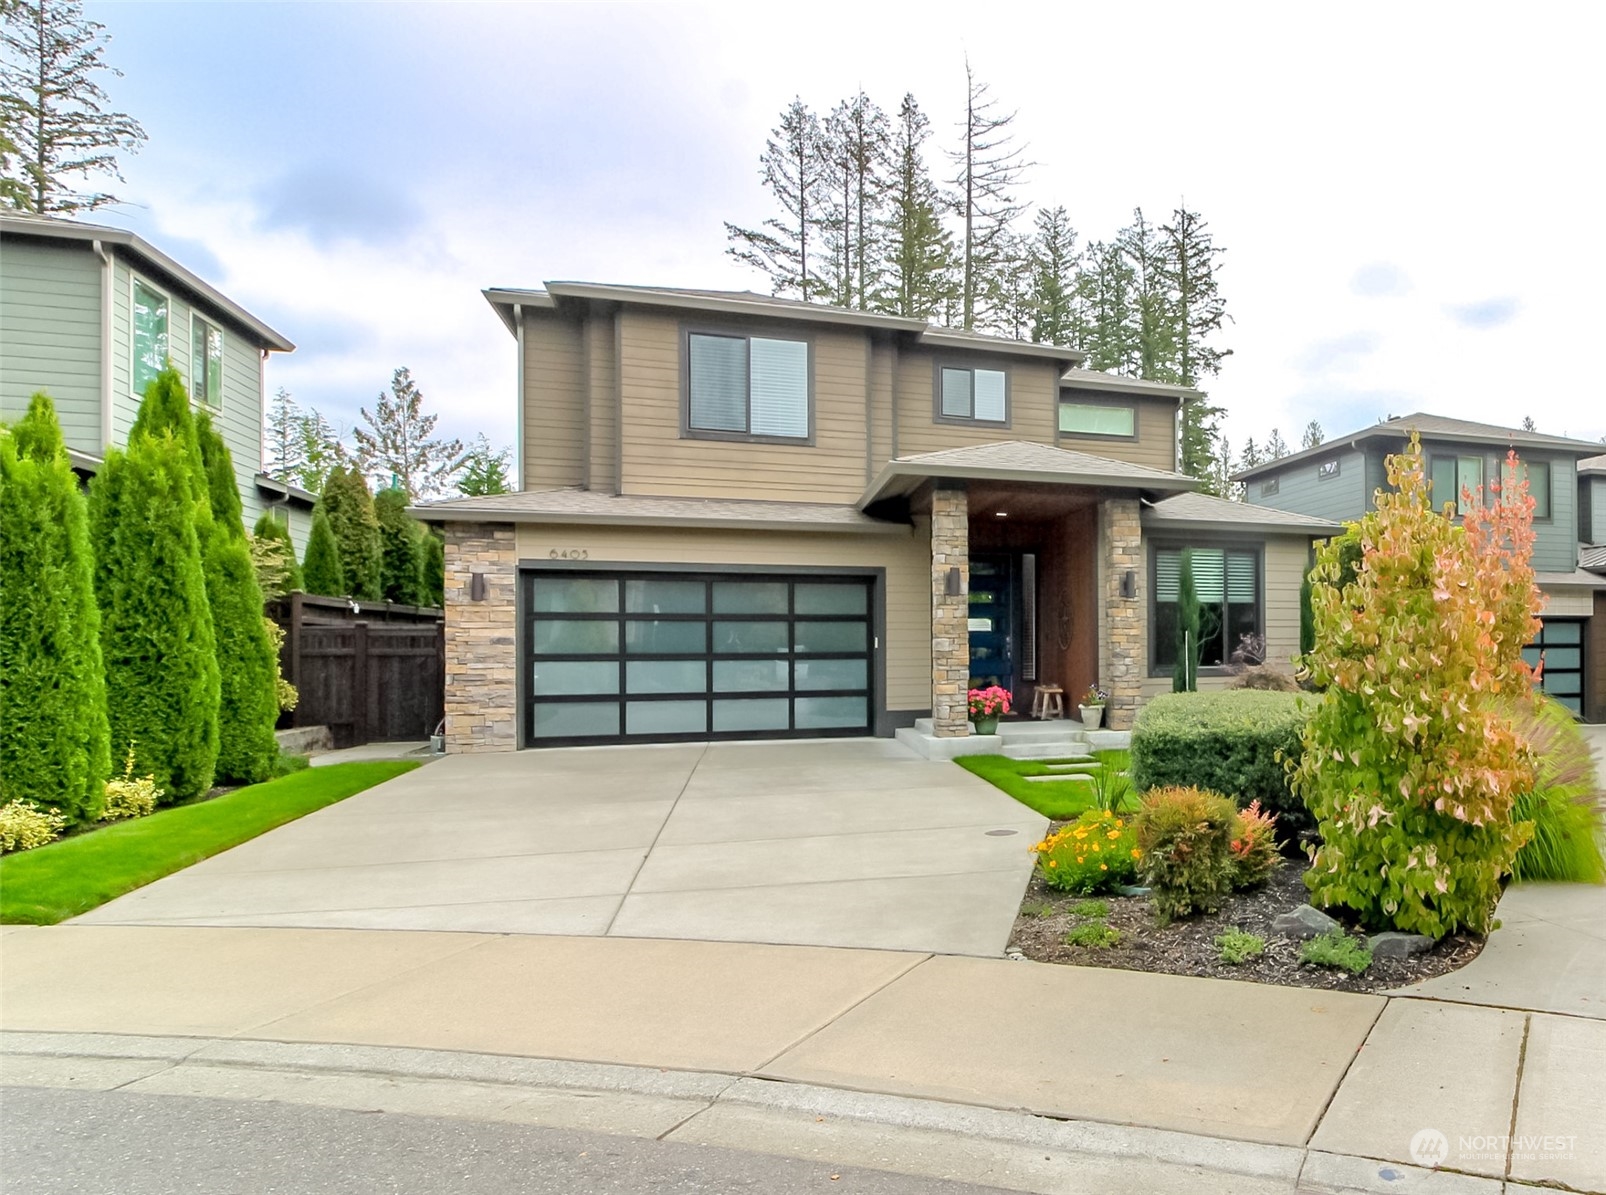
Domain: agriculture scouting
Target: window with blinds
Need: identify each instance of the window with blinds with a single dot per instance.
(1226, 582)
(981, 395)
(747, 386)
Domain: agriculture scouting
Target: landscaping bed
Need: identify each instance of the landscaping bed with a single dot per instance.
(1188, 947)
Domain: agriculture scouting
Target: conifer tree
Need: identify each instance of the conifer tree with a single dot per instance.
(282, 446)
(278, 572)
(1314, 435)
(1105, 286)
(484, 470)
(349, 507)
(919, 252)
(399, 447)
(796, 171)
(1185, 675)
(1197, 312)
(1154, 331)
(401, 554)
(1054, 259)
(1276, 446)
(989, 168)
(434, 570)
(54, 742)
(320, 570)
(318, 451)
(856, 141)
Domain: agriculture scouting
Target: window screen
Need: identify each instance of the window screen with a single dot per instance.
(748, 384)
(1097, 419)
(150, 336)
(979, 394)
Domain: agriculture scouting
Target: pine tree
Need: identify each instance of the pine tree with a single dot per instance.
(989, 169)
(1105, 286)
(1528, 424)
(1220, 480)
(1154, 332)
(274, 555)
(282, 447)
(55, 112)
(320, 569)
(54, 741)
(318, 452)
(397, 447)
(1313, 435)
(248, 665)
(1276, 446)
(1054, 259)
(162, 683)
(484, 470)
(434, 569)
(349, 507)
(401, 555)
(1251, 456)
(1188, 267)
(796, 171)
(919, 259)
(1185, 675)
(856, 143)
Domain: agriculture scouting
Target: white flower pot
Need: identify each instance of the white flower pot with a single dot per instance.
(1092, 716)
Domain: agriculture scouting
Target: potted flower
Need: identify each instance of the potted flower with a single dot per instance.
(985, 707)
(1092, 707)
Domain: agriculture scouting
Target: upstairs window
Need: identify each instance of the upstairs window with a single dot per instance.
(1270, 486)
(1227, 584)
(150, 347)
(206, 363)
(1452, 477)
(973, 395)
(1098, 419)
(1537, 475)
(753, 386)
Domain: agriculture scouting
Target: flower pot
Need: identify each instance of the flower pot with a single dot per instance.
(986, 725)
(1092, 716)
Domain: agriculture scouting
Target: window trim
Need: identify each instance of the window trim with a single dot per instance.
(1172, 544)
(746, 333)
(992, 365)
(1099, 401)
(135, 281)
(1550, 482)
(1330, 468)
(213, 403)
(1270, 486)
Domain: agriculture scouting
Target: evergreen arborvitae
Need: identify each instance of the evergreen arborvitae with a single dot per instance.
(320, 571)
(54, 749)
(1185, 676)
(162, 684)
(350, 510)
(269, 527)
(401, 555)
(166, 409)
(247, 661)
(434, 583)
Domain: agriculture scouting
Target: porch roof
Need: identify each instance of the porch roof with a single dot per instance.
(1020, 461)
(569, 506)
(1579, 578)
(1204, 512)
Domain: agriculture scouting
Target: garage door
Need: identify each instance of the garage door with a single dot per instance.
(660, 657)
(1561, 644)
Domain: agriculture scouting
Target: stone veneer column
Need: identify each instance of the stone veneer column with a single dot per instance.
(481, 638)
(1123, 621)
(950, 614)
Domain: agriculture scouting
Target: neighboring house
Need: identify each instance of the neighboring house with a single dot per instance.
(1337, 480)
(90, 314)
(749, 517)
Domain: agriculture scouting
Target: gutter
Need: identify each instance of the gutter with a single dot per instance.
(107, 281)
(518, 406)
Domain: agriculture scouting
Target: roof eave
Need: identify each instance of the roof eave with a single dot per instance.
(757, 307)
(503, 299)
(944, 338)
(268, 484)
(899, 479)
(1159, 522)
(1577, 449)
(439, 514)
(1114, 382)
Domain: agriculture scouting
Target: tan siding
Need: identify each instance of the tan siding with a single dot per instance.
(602, 400)
(907, 560)
(1033, 393)
(554, 433)
(658, 460)
(883, 373)
(1156, 445)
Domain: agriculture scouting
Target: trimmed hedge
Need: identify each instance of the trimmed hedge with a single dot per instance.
(401, 555)
(349, 506)
(1227, 741)
(321, 573)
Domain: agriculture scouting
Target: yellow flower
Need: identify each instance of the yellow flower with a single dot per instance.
(1137, 854)
(1053, 863)
(1079, 859)
(1113, 834)
(1104, 867)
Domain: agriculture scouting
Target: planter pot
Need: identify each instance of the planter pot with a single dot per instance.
(1092, 716)
(985, 725)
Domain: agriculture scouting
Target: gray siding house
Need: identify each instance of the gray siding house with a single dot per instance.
(1567, 479)
(89, 314)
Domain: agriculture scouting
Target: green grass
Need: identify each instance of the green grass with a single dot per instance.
(51, 883)
(1094, 935)
(1091, 908)
(1059, 800)
(1335, 948)
(1240, 946)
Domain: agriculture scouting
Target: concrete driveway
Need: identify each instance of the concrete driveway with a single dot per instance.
(833, 843)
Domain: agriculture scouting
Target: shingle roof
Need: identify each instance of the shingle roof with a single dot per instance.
(1206, 510)
(589, 506)
(1593, 464)
(1579, 577)
(1593, 557)
(1020, 461)
(1437, 427)
(1097, 379)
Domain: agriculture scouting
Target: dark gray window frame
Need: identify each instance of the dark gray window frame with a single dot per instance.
(939, 364)
(1173, 544)
(1329, 469)
(1095, 400)
(212, 402)
(1270, 486)
(1550, 484)
(747, 333)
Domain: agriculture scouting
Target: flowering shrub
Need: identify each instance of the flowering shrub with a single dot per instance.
(1094, 696)
(129, 795)
(989, 702)
(1184, 838)
(1093, 853)
(24, 826)
(1411, 761)
(1254, 847)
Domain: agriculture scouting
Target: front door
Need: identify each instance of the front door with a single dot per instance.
(992, 622)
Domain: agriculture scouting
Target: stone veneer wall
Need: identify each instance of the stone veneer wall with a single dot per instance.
(1123, 621)
(950, 614)
(481, 639)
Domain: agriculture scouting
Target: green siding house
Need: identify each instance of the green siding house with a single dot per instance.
(89, 314)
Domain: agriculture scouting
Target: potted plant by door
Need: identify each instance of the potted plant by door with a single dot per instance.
(1092, 707)
(985, 707)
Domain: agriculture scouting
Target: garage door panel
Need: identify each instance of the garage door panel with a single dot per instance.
(1559, 646)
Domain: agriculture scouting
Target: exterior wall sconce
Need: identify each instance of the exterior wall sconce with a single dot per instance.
(953, 585)
(1129, 584)
(476, 587)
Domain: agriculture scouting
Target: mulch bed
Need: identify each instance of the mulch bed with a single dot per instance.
(1188, 947)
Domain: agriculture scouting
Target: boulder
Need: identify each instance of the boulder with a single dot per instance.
(1397, 946)
(1303, 922)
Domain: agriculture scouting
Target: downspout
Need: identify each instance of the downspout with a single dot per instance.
(518, 443)
(107, 281)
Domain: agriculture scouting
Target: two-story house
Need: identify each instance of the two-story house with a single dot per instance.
(743, 516)
(89, 314)
(1340, 478)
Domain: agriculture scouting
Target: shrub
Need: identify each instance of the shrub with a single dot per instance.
(401, 555)
(273, 555)
(162, 684)
(1266, 678)
(129, 795)
(1095, 935)
(1238, 946)
(1411, 761)
(1185, 674)
(1091, 908)
(434, 570)
(1228, 742)
(349, 508)
(1185, 857)
(1336, 949)
(1093, 853)
(1111, 783)
(284, 692)
(165, 411)
(1564, 804)
(54, 743)
(24, 826)
(321, 572)
(1254, 847)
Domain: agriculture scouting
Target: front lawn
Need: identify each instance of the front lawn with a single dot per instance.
(1059, 800)
(52, 883)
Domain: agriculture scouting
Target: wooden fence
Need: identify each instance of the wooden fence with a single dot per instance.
(369, 671)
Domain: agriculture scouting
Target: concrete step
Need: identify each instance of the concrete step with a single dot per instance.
(1058, 730)
(1046, 749)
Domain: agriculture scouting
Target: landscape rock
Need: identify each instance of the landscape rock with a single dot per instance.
(1303, 922)
(1396, 946)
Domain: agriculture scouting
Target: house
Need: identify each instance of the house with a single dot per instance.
(1567, 479)
(750, 517)
(89, 314)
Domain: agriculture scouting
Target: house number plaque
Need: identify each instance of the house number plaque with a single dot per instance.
(568, 554)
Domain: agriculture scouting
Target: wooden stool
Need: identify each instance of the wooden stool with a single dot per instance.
(1048, 702)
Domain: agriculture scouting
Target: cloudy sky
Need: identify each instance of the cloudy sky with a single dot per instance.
(1409, 194)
